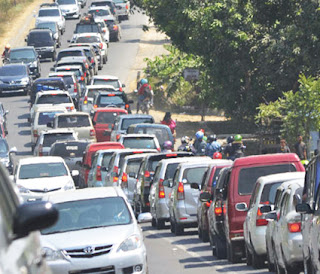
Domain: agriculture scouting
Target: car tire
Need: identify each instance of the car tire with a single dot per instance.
(178, 229)
(248, 256)
(153, 222)
(104, 60)
(278, 268)
(160, 224)
(221, 252)
(205, 236)
(269, 264)
(199, 232)
(172, 226)
(258, 261)
(232, 257)
(54, 56)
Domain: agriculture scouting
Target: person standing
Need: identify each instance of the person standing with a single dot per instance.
(283, 147)
(300, 148)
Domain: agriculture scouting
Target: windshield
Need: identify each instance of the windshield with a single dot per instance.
(106, 158)
(47, 117)
(88, 214)
(49, 12)
(22, 55)
(88, 39)
(119, 1)
(73, 121)
(104, 101)
(68, 149)
(40, 39)
(71, 53)
(12, 70)
(54, 99)
(68, 80)
(49, 139)
(83, 28)
(161, 133)
(269, 193)
(138, 142)
(66, 2)
(106, 117)
(127, 122)
(98, 12)
(249, 176)
(41, 170)
(114, 83)
(47, 25)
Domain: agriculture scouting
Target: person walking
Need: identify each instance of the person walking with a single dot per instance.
(283, 147)
(301, 148)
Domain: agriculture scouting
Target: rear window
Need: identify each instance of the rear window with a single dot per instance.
(133, 166)
(106, 159)
(70, 53)
(83, 28)
(127, 122)
(49, 12)
(54, 99)
(194, 175)
(104, 101)
(49, 139)
(111, 82)
(138, 142)
(70, 149)
(161, 133)
(68, 80)
(106, 117)
(73, 121)
(75, 71)
(249, 176)
(171, 169)
(47, 117)
(269, 193)
(99, 12)
(88, 39)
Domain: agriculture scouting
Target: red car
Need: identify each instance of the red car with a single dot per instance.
(103, 121)
(87, 159)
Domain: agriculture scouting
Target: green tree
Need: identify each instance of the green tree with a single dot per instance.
(299, 111)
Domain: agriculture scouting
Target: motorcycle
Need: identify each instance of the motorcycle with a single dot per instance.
(146, 104)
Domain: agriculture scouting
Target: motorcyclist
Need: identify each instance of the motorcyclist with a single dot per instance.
(197, 141)
(212, 145)
(186, 145)
(236, 148)
(145, 92)
(228, 147)
(201, 145)
(167, 146)
(6, 52)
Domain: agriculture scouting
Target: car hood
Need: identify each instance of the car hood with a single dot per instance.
(12, 78)
(112, 235)
(22, 61)
(67, 7)
(48, 183)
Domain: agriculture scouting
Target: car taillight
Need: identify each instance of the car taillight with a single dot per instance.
(91, 60)
(75, 89)
(161, 193)
(115, 169)
(85, 101)
(208, 204)
(87, 66)
(98, 174)
(180, 194)
(126, 106)
(218, 211)
(118, 137)
(147, 174)
(115, 179)
(35, 133)
(40, 150)
(100, 45)
(70, 108)
(115, 27)
(260, 221)
(95, 106)
(127, 7)
(92, 132)
(120, 89)
(159, 149)
(294, 227)
(82, 78)
(124, 177)
(85, 75)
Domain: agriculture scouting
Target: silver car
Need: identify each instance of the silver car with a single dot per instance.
(69, 8)
(140, 141)
(52, 14)
(123, 9)
(96, 233)
(184, 195)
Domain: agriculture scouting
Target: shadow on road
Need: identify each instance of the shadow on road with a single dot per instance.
(24, 116)
(187, 242)
(24, 132)
(24, 124)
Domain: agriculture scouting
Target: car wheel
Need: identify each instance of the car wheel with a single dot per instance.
(205, 236)
(199, 231)
(172, 226)
(248, 256)
(257, 260)
(104, 60)
(153, 222)
(220, 247)
(232, 257)
(269, 263)
(53, 56)
(160, 224)
(178, 229)
(278, 268)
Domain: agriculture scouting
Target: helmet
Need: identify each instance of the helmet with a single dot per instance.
(144, 81)
(205, 138)
(167, 145)
(304, 162)
(217, 155)
(230, 139)
(199, 134)
(185, 139)
(7, 46)
(212, 138)
(238, 138)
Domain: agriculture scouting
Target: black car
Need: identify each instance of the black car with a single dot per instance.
(112, 99)
(28, 56)
(43, 42)
(15, 78)
(6, 154)
(53, 26)
(42, 84)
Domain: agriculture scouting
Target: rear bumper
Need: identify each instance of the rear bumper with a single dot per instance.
(162, 209)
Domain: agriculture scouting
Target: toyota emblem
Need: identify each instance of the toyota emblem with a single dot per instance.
(88, 250)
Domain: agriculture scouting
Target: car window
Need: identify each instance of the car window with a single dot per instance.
(176, 176)
(284, 204)
(46, 117)
(111, 162)
(269, 193)
(105, 117)
(47, 25)
(255, 193)
(88, 39)
(83, 28)
(248, 176)
(70, 53)
(194, 175)
(54, 99)
(133, 166)
(4, 148)
(215, 177)
(277, 198)
(170, 170)
(104, 101)
(69, 149)
(49, 139)
(99, 12)
(94, 160)
(42, 170)
(85, 214)
(49, 12)
(111, 82)
(138, 142)
(106, 159)
(40, 38)
(161, 133)
(73, 121)
(127, 122)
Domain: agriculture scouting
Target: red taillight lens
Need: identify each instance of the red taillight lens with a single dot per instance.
(161, 194)
(87, 66)
(115, 169)
(118, 137)
(35, 133)
(92, 132)
(180, 194)
(75, 89)
(85, 75)
(98, 174)
(82, 78)
(159, 149)
(260, 221)
(126, 106)
(294, 227)
(92, 61)
(70, 108)
(115, 27)
(147, 174)
(40, 150)
(124, 177)
(120, 89)
(85, 100)
(115, 179)
(218, 211)
(95, 106)
(127, 7)
(208, 204)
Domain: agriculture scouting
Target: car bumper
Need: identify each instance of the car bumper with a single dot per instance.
(258, 240)
(294, 253)
(70, 14)
(115, 262)
(45, 52)
(183, 218)
(6, 88)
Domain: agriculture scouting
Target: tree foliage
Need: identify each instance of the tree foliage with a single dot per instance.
(253, 50)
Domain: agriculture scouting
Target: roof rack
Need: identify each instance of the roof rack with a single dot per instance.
(87, 19)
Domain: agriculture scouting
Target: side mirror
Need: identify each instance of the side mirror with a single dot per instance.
(132, 175)
(13, 150)
(104, 168)
(194, 186)
(241, 207)
(271, 216)
(33, 216)
(205, 197)
(304, 208)
(130, 102)
(74, 173)
(265, 209)
(144, 217)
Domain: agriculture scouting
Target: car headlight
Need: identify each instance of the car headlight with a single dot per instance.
(33, 64)
(69, 186)
(22, 189)
(131, 243)
(53, 255)
(25, 80)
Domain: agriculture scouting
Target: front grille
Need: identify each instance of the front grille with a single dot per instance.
(44, 190)
(99, 270)
(89, 251)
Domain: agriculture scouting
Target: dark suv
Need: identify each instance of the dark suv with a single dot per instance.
(43, 42)
(112, 99)
(28, 56)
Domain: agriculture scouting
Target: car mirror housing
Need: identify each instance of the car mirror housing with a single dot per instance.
(194, 186)
(265, 209)
(304, 208)
(74, 173)
(241, 207)
(205, 197)
(33, 216)
(144, 217)
(271, 216)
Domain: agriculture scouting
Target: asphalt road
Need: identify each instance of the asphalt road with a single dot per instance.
(166, 253)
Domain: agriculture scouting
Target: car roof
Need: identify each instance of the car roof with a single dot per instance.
(196, 163)
(85, 194)
(71, 59)
(23, 48)
(61, 73)
(266, 159)
(221, 162)
(174, 154)
(49, 79)
(44, 159)
(71, 141)
(57, 130)
(180, 160)
(137, 150)
(70, 49)
(136, 156)
(280, 177)
(295, 184)
(48, 108)
(101, 7)
(133, 116)
(111, 77)
(87, 34)
(101, 87)
(110, 110)
(154, 125)
(138, 135)
(70, 66)
(40, 30)
(77, 113)
(14, 65)
(53, 92)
